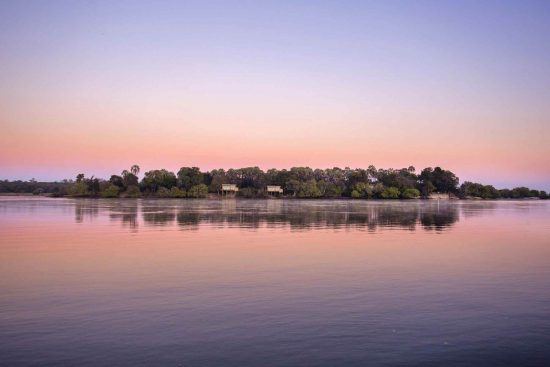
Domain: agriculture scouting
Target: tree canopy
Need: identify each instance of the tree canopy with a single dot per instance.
(299, 182)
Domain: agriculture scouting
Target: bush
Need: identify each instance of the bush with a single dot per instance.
(198, 191)
(110, 192)
(309, 189)
(38, 191)
(378, 189)
(473, 189)
(410, 194)
(58, 192)
(362, 190)
(78, 189)
(177, 193)
(520, 192)
(329, 190)
(247, 192)
(390, 193)
(162, 192)
(132, 192)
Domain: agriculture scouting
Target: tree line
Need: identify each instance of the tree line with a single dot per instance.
(299, 182)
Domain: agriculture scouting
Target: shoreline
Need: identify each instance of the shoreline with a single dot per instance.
(219, 198)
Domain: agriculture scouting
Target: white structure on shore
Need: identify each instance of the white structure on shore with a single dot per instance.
(229, 189)
(274, 189)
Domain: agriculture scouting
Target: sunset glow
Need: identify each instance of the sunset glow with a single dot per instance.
(95, 87)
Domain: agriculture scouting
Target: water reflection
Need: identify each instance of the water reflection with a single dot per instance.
(242, 282)
(157, 216)
(127, 215)
(254, 214)
(84, 210)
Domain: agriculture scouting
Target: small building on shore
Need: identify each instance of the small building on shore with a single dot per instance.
(229, 189)
(274, 189)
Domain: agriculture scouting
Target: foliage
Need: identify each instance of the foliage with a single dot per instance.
(189, 176)
(78, 189)
(111, 191)
(176, 192)
(390, 193)
(198, 191)
(135, 170)
(329, 189)
(362, 190)
(162, 192)
(117, 181)
(38, 191)
(129, 179)
(308, 189)
(33, 186)
(247, 192)
(442, 180)
(410, 194)
(477, 190)
(132, 192)
(155, 179)
(216, 178)
(301, 182)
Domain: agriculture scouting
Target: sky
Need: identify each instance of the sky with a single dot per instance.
(97, 86)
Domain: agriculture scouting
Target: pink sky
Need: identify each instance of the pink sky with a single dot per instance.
(95, 90)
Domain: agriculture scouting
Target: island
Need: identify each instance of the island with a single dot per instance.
(253, 182)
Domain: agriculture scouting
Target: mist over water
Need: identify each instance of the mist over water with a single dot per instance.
(273, 282)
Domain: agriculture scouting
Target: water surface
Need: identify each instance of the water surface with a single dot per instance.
(273, 282)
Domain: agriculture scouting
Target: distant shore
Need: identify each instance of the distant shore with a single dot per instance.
(297, 182)
(219, 198)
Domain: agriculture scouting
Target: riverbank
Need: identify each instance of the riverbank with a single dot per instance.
(215, 197)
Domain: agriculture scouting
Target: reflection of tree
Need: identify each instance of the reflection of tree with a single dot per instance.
(295, 214)
(127, 214)
(158, 216)
(440, 219)
(188, 220)
(85, 208)
(392, 216)
(477, 208)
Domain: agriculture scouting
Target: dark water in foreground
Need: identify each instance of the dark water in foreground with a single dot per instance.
(273, 283)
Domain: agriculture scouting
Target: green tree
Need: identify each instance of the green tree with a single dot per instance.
(390, 193)
(134, 169)
(362, 190)
(410, 194)
(309, 189)
(132, 192)
(444, 181)
(176, 192)
(117, 181)
(155, 179)
(217, 179)
(162, 192)
(477, 190)
(198, 191)
(129, 179)
(93, 185)
(292, 186)
(78, 189)
(111, 191)
(329, 189)
(189, 176)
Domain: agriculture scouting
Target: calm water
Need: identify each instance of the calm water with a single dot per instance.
(273, 283)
